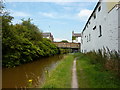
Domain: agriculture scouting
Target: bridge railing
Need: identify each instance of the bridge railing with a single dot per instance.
(67, 45)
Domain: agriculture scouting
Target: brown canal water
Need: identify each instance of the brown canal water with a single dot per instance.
(19, 76)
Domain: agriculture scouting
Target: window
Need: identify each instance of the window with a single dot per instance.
(87, 25)
(81, 41)
(85, 51)
(89, 22)
(99, 8)
(94, 28)
(94, 15)
(89, 37)
(100, 30)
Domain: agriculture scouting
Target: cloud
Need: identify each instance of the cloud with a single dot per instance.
(16, 21)
(84, 13)
(59, 0)
(55, 15)
(19, 14)
(63, 3)
(60, 39)
(46, 14)
(53, 0)
(68, 8)
(14, 5)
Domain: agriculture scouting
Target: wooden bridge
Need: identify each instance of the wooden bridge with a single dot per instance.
(73, 46)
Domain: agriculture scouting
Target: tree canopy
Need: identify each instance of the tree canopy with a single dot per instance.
(65, 41)
(22, 43)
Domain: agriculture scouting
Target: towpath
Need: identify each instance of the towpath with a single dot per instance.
(74, 83)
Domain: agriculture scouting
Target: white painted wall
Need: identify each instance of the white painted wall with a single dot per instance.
(77, 40)
(109, 27)
(119, 29)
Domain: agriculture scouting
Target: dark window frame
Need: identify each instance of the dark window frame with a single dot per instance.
(89, 37)
(99, 9)
(94, 15)
(87, 26)
(100, 31)
(89, 22)
(94, 28)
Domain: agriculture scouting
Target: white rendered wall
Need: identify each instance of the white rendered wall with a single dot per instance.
(119, 29)
(109, 27)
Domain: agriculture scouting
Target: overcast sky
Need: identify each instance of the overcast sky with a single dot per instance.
(59, 18)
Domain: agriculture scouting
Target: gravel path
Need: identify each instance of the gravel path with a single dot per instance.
(74, 75)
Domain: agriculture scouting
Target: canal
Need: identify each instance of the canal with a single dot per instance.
(19, 76)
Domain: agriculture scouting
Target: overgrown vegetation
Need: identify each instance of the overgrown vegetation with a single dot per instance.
(98, 69)
(22, 43)
(61, 76)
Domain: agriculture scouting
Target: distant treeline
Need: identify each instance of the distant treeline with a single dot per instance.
(22, 43)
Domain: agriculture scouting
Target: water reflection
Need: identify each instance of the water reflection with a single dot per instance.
(18, 77)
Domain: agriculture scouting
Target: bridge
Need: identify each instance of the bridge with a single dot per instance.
(74, 46)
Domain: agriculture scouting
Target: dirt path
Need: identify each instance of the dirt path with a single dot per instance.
(74, 75)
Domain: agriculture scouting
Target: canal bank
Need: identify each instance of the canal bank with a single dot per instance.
(61, 76)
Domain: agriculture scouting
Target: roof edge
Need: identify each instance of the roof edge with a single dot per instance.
(91, 15)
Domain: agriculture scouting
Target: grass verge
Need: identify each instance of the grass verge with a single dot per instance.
(61, 76)
(94, 75)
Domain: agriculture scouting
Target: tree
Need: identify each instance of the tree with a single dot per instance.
(22, 43)
(65, 41)
(73, 38)
(32, 32)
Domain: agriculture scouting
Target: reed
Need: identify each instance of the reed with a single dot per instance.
(98, 69)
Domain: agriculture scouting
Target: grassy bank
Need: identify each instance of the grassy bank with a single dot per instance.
(94, 75)
(61, 76)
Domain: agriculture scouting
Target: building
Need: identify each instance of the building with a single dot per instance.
(48, 35)
(102, 28)
(75, 37)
